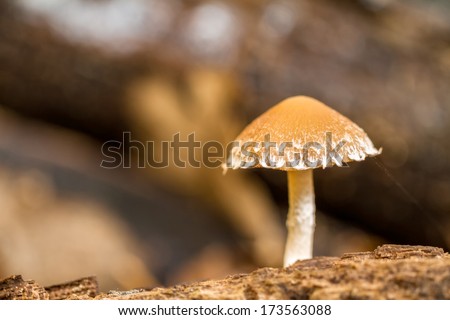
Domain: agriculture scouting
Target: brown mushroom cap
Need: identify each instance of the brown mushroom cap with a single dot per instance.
(304, 121)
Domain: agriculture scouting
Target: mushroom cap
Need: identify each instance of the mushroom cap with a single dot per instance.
(313, 134)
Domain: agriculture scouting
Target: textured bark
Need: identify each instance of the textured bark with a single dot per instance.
(389, 272)
(81, 288)
(15, 288)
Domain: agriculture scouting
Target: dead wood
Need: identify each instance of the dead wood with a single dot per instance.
(389, 272)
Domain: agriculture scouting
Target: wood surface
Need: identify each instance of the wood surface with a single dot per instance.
(388, 272)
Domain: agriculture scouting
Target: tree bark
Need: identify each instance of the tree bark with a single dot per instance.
(389, 272)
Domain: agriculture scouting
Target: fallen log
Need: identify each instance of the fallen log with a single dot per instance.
(389, 272)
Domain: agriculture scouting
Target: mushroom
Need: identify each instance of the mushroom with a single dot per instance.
(297, 135)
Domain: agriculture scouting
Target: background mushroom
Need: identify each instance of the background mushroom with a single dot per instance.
(297, 135)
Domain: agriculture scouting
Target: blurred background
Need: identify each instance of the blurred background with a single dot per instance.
(77, 73)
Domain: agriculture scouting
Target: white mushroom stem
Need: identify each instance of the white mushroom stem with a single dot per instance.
(301, 216)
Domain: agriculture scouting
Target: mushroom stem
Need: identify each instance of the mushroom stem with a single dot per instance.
(301, 216)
